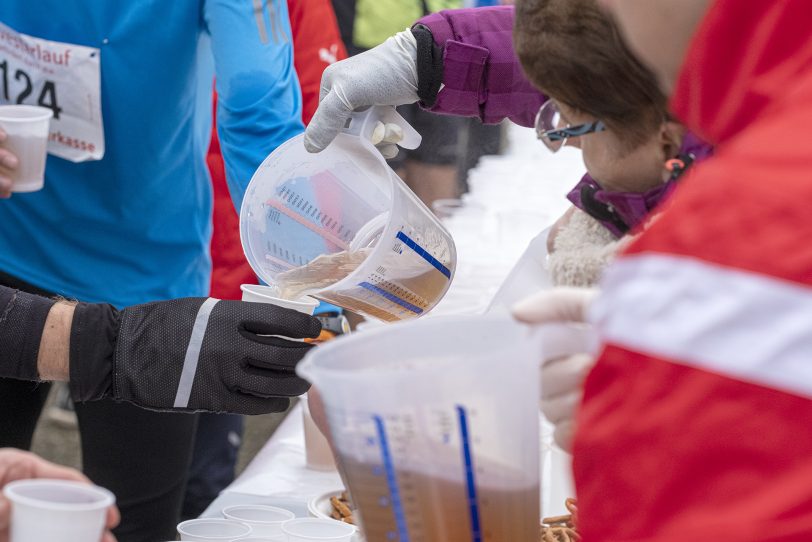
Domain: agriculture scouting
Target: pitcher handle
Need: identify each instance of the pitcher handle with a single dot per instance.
(362, 123)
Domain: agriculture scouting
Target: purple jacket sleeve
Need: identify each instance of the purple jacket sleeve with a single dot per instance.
(481, 73)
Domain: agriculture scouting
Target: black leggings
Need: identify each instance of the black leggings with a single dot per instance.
(139, 455)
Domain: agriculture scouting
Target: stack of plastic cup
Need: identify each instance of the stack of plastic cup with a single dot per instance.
(265, 521)
(26, 128)
(209, 530)
(57, 511)
(313, 530)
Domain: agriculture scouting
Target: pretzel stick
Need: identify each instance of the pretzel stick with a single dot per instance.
(342, 508)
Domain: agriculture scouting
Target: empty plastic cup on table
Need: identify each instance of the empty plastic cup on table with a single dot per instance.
(57, 511)
(312, 529)
(435, 423)
(264, 294)
(343, 227)
(204, 530)
(26, 128)
(264, 520)
(318, 454)
(280, 538)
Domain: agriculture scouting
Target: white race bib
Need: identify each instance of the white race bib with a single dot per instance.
(63, 77)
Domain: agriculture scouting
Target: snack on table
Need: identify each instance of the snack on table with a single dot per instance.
(341, 509)
(561, 528)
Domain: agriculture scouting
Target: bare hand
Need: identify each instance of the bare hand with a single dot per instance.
(18, 465)
(8, 162)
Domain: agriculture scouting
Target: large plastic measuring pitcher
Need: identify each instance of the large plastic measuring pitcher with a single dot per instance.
(341, 226)
(436, 426)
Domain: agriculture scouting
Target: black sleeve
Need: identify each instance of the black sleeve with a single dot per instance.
(22, 319)
(93, 336)
(429, 65)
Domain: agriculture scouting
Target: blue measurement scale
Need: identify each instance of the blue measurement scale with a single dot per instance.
(396, 501)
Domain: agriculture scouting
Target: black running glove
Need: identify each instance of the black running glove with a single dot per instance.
(193, 354)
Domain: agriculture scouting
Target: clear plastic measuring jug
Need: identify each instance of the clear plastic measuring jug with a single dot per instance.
(436, 425)
(341, 226)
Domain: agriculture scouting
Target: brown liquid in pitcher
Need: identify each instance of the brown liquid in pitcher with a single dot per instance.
(323, 271)
(421, 291)
(437, 509)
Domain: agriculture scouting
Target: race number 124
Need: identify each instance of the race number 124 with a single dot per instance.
(16, 87)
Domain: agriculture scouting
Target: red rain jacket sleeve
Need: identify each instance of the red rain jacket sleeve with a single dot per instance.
(316, 44)
(695, 420)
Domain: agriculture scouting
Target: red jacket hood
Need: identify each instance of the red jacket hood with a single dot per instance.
(746, 56)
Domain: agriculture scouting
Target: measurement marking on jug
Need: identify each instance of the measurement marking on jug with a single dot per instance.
(423, 253)
(273, 216)
(391, 480)
(470, 481)
(309, 225)
(391, 297)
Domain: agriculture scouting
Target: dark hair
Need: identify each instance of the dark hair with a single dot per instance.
(573, 52)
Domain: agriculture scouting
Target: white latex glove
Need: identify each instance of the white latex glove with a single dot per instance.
(384, 75)
(561, 378)
(7, 162)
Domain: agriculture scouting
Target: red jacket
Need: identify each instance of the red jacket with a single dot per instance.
(316, 45)
(695, 423)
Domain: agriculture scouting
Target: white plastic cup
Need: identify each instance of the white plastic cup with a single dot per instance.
(264, 520)
(318, 454)
(57, 511)
(310, 529)
(262, 294)
(205, 530)
(280, 538)
(26, 128)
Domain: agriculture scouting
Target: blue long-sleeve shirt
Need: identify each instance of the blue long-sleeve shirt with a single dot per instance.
(135, 225)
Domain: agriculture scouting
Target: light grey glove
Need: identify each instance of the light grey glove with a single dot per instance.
(384, 75)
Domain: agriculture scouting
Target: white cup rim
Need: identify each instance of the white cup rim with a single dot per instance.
(263, 507)
(300, 521)
(305, 304)
(104, 498)
(42, 113)
(200, 521)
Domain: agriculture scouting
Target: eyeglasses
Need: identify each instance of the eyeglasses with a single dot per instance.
(554, 132)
